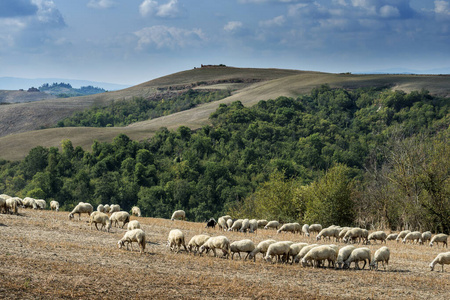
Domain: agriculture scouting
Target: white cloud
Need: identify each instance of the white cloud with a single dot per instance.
(48, 14)
(233, 26)
(168, 37)
(277, 21)
(442, 7)
(389, 11)
(101, 4)
(171, 9)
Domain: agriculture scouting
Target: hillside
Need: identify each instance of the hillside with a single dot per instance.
(19, 122)
(10, 97)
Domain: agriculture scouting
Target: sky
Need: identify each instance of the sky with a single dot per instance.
(133, 41)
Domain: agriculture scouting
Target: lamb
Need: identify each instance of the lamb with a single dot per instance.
(305, 229)
(262, 223)
(135, 235)
(102, 218)
(133, 225)
(114, 208)
(439, 238)
(176, 239)
(315, 228)
(277, 249)
(392, 237)
(303, 252)
(81, 208)
(245, 225)
(242, 246)
(441, 258)
(356, 256)
(412, 236)
(101, 208)
(136, 211)
(211, 223)
(41, 203)
(272, 224)
(236, 225)
(318, 254)
(295, 250)
(378, 235)
(120, 216)
(288, 227)
(196, 242)
(217, 242)
(178, 214)
(262, 247)
(54, 205)
(382, 255)
(222, 224)
(253, 225)
(402, 234)
(328, 232)
(343, 255)
(426, 236)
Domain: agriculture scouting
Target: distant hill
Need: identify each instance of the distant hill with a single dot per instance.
(65, 90)
(19, 122)
(14, 83)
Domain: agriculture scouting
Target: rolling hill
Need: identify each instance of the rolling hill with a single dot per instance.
(19, 123)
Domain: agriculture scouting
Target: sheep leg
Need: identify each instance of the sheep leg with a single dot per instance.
(96, 226)
(364, 264)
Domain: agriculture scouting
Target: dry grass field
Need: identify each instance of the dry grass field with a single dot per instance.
(43, 255)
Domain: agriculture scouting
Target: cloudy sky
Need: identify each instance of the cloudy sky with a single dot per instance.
(133, 41)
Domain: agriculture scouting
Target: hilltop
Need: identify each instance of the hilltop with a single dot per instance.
(20, 122)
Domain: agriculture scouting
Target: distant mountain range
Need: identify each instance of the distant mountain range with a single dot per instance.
(14, 83)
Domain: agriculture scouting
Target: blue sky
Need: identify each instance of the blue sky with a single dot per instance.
(133, 41)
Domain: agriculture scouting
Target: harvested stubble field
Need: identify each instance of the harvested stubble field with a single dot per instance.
(43, 255)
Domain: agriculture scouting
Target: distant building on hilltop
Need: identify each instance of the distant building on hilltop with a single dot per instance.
(213, 66)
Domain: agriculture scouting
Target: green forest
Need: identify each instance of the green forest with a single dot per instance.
(367, 157)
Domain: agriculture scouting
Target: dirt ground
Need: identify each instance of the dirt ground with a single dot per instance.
(44, 255)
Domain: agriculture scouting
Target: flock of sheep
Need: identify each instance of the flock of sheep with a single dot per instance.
(282, 251)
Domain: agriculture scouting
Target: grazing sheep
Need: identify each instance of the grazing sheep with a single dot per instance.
(378, 235)
(107, 208)
(262, 223)
(101, 208)
(392, 237)
(357, 255)
(229, 223)
(41, 203)
(412, 236)
(236, 225)
(114, 208)
(11, 206)
(365, 235)
(441, 258)
(328, 233)
(81, 208)
(298, 228)
(196, 242)
(242, 246)
(135, 235)
(353, 234)
(318, 254)
(303, 252)
(342, 233)
(288, 227)
(262, 247)
(439, 238)
(295, 250)
(29, 202)
(426, 236)
(136, 211)
(277, 249)
(272, 224)
(343, 255)
(245, 225)
(120, 216)
(54, 205)
(176, 239)
(305, 229)
(2, 205)
(102, 218)
(211, 223)
(178, 214)
(382, 255)
(315, 228)
(133, 225)
(402, 234)
(222, 224)
(217, 242)
(253, 227)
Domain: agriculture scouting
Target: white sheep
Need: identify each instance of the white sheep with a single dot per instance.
(253, 227)
(382, 255)
(242, 246)
(295, 250)
(318, 254)
(328, 233)
(245, 225)
(441, 258)
(2, 205)
(414, 236)
(426, 236)
(29, 202)
(176, 240)
(136, 211)
(342, 233)
(11, 206)
(41, 203)
(288, 227)
(262, 223)
(439, 238)
(365, 236)
(114, 208)
(272, 224)
(120, 216)
(101, 208)
(229, 223)
(222, 223)
(217, 242)
(278, 249)
(196, 242)
(101, 218)
(133, 225)
(378, 235)
(392, 237)
(303, 252)
(402, 234)
(81, 208)
(315, 228)
(357, 255)
(261, 248)
(353, 234)
(178, 214)
(305, 229)
(107, 208)
(54, 205)
(236, 225)
(135, 235)
(343, 255)
(227, 217)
